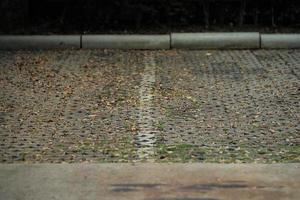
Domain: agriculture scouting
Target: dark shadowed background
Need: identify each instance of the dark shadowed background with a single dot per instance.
(147, 16)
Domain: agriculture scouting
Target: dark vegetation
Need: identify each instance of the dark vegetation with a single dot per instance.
(146, 16)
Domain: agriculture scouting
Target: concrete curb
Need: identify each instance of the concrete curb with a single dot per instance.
(280, 41)
(236, 40)
(215, 40)
(126, 42)
(30, 42)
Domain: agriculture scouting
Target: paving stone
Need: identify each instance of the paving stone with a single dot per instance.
(201, 106)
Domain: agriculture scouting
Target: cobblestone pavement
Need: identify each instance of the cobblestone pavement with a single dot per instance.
(131, 106)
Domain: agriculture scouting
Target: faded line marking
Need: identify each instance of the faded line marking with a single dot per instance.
(147, 134)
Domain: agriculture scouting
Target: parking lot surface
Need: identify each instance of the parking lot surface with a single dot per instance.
(157, 106)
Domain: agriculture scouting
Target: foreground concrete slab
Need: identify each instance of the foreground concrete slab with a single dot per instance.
(126, 41)
(215, 40)
(36, 42)
(280, 41)
(149, 181)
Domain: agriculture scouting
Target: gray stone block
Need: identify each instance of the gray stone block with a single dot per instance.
(35, 42)
(126, 41)
(280, 41)
(215, 40)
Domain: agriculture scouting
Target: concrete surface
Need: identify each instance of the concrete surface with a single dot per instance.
(215, 40)
(149, 181)
(126, 41)
(36, 42)
(280, 41)
(226, 40)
